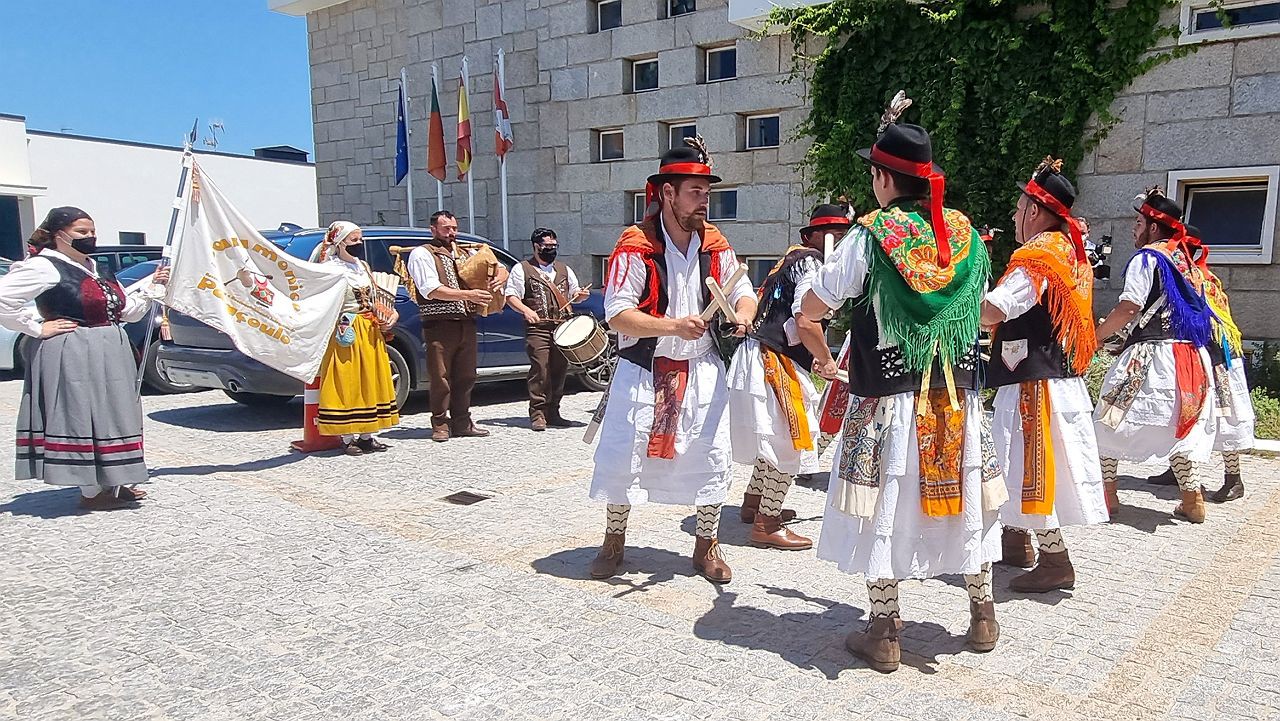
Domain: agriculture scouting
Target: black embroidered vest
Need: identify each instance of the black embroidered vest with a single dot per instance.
(447, 268)
(538, 295)
(78, 296)
(777, 297)
(876, 372)
(1026, 348)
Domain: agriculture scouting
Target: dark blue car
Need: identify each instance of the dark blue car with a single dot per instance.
(203, 357)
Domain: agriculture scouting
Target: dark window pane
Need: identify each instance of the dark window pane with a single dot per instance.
(679, 133)
(132, 238)
(637, 207)
(610, 146)
(723, 205)
(722, 64)
(762, 132)
(1209, 19)
(610, 14)
(1228, 214)
(680, 7)
(645, 75)
(758, 269)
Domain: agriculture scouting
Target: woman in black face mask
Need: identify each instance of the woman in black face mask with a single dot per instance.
(80, 422)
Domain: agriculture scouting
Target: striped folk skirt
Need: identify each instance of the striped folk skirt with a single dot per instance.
(357, 394)
(80, 422)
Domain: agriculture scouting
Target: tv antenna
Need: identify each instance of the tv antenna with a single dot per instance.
(211, 140)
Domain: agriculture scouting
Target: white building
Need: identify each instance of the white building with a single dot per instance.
(128, 187)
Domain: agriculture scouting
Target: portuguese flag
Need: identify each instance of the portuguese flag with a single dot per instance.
(436, 163)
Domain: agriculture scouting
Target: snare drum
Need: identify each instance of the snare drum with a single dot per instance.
(582, 339)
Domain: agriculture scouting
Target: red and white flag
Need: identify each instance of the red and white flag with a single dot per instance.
(503, 141)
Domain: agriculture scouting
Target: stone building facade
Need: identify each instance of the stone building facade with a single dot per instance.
(573, 92)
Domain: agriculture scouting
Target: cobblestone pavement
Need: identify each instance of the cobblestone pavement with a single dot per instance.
(262, 584)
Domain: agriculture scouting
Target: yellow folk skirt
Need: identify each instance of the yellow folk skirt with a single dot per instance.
(357, 394)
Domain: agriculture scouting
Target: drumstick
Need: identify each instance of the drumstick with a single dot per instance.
(828, 245)
(568, 303)
(718, 299)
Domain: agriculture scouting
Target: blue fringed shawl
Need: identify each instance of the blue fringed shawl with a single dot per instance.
(1190, 318)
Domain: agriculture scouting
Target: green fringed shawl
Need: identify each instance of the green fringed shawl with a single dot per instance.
(926, 311)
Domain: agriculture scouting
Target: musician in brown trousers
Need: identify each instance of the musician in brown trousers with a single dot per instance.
(542, 288)
(449, 327)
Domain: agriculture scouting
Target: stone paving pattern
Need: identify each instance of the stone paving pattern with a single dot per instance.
(262, 584)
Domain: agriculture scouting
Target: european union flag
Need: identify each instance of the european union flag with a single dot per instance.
(402, 139)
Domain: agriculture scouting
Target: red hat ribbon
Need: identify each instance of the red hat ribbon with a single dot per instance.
(937, 186)
(1179, 230)
(830, 220)
(1037, 193)
(651, 190)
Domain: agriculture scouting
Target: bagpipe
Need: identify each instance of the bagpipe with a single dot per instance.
(475, 272)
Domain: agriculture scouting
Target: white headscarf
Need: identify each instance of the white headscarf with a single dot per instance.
(338, 232)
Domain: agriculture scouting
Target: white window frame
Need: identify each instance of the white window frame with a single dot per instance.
(604, 270)
(1190, 8)
(600, 145)
(706, 63)
(1181, 180)
(635, 64)
(672, 127)
(735, 206)
(637, 204)
(600, 28)
(672, 2)
(746, 140)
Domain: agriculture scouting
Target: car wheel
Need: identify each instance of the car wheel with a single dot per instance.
(156, 380)
(258, 399)
(400, 377)
(598, 375)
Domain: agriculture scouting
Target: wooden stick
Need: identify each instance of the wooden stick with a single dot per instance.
(718, 299)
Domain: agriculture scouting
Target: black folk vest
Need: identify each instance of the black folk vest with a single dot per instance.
(1152, 325)
(538, 295)
(777, 297)
(876, 372)
(447, 269)
(1026, 348)
(80, 297)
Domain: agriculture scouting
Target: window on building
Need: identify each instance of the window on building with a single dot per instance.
(599, 270)
(758, 269)
(609, 145)
(722, 64)
(608, 15)
(722, 205)
(1234, 208)
(1204, 20)
(644, 75)
(680, 7)
(677, 132)
(762, 131)
(132, 238)
(637, 207)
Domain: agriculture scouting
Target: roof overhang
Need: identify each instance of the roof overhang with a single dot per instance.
(300, 7)
(23, 191)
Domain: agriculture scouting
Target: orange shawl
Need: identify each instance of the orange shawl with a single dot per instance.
(645, 240)
(1050, 258)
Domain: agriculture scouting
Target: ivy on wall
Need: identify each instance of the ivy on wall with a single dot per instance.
(998, 83)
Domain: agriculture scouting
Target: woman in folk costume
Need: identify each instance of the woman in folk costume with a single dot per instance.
(665, 434)
(1043, 340)
(357, 393)
(1235, 417)
(773, 402)
(80, 419)
(913, 494)
(1156, 403)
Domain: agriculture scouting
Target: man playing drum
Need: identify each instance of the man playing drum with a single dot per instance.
(542, 288)
(449, 327)
(665, 434)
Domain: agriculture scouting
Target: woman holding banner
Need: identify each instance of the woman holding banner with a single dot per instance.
(80, 421)
(357, 393)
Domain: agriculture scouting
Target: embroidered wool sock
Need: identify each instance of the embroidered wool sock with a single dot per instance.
(708, 524)
(775, 485)
(1110, 468)
(615, 517)
(979, 584)
(883, 597)
(1231, 462)
(1184, 472)
(1050, 540)
(756, 485)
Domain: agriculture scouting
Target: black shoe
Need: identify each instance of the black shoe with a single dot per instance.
(1164, 479)
(1232, 489)
(371, 445)
(354, 449)
(558, 421)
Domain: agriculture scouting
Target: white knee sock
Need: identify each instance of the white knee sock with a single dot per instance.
(1050, 540)
(979, 584)
(1110, 469)
(708, 524)
(1231, 462)
(615, 518)
(883, 597)
(1184, 472)
(775, 485)
(756, 485)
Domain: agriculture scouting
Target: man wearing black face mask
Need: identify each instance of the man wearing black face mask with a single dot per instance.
(542, 289)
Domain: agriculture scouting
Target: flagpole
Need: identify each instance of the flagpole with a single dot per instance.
(435, 85)
(471, 193)
(502, 159)
(404, 93)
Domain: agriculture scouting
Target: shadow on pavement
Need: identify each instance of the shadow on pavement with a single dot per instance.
(233, 417)
(246, 467)
(55, 502)
(654, 566)
(733, 532)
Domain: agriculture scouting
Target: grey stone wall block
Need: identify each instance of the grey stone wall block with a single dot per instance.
(760, 57)
(1224, 142)
(458, 13)
(551, 202)
(1111, 196)
(527, 40)
(1187, 105)
(1209, 66)
(590, 47)
(553, 53)
(1257, 56)
(763, 202)
(627, 175)
(704, 28)
(604, 208)
(603, 112)
(647, 39)
(757, 94)
(605, 78)
(669, 103)
(447, 44)
(553, 124)
(635, 12)
(582, 177)
(513, 16)
(424, 17)
(522, 69)
(568, 18)
(488, 21)
(1256, 94)
(569, 84)
(580, 148)
(678, 67)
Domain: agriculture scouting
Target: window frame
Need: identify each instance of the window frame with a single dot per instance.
(670, 14)
(671, 128)
(600, 28)
(637, 206)
(635, 65)
(1190, 8)
(706, 63)
(1181, 181)
(735, 205)
(746, 139)
(600, 145)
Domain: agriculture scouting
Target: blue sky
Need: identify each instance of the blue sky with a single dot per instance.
(145, 69)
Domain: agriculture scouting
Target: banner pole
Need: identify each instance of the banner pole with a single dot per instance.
(408, 137)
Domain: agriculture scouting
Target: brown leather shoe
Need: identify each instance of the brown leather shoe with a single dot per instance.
(877, 644)
(104, 501)
(1191, 508)
(1164, 479)
(1232, 489)
(1016, 547)
(751, 501)
(538, 423)
(1054, 572)
(1113, 498)
(440, 434)
(710, 561)
(353, 449)
(130, 494)
(609, 560)
(769, 532)
(471, 431)
(984, 630)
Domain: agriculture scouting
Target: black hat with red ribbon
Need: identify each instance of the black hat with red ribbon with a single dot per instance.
(827, 215)
(1051, 189)
(906, 149)
(688, 161)
(1155, 207)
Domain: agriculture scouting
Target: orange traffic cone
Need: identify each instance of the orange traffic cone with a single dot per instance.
(312, 439)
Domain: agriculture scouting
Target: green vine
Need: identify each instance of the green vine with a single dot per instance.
(998, 83)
